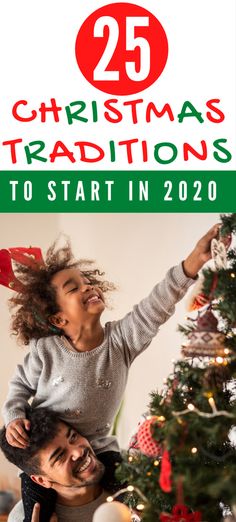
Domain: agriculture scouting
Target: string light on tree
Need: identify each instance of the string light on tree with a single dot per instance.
(118, 514)
(191, 407)
(130, 489)
(140, 507)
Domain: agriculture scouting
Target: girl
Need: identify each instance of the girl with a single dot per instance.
(76, 366)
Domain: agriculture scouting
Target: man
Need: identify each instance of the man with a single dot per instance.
(58, 457)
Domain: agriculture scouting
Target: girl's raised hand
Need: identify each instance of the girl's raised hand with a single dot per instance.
(201, 253)
(16, 433)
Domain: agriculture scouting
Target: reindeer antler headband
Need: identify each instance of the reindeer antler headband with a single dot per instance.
(31, 257)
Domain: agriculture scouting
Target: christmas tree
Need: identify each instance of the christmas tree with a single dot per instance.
(185, 465)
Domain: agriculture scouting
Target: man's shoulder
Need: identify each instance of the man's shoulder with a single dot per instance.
(17, 513)
(65, 513)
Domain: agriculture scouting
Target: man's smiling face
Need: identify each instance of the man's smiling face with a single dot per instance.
(68, 461)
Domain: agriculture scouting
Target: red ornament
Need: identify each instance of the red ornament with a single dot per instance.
(180, 513)
(165, 480)
(197, 298)
(198, 301)
(146, 443)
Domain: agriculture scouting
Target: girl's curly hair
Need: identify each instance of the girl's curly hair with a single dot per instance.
(33, 307)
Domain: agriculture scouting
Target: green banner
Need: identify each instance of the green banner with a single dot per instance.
(117, 191)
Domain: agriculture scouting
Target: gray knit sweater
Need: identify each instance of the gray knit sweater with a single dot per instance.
(86, 388)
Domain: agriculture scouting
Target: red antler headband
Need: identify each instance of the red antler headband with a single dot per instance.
(31, 257)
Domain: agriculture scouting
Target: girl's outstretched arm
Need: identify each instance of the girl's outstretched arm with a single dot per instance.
(133, 334)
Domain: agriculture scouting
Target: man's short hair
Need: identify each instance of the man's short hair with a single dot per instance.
(43, 429)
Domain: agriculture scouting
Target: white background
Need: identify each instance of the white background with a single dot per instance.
(38, 62)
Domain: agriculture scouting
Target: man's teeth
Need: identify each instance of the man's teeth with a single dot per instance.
(86, 464)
